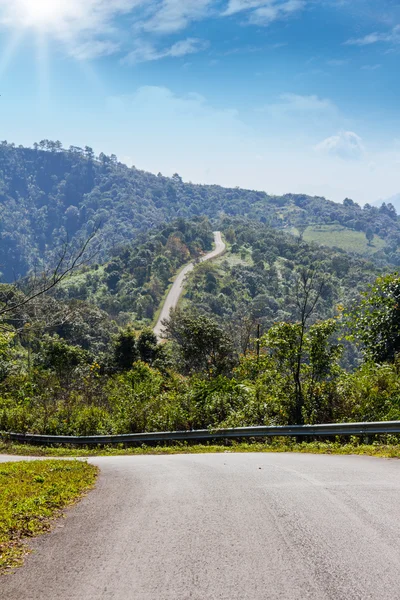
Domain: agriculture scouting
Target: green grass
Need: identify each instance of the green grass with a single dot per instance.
(232, 260)
(342, 237)
(32, 494)
(277, 445)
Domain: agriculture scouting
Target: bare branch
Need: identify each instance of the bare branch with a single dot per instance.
(47, 281)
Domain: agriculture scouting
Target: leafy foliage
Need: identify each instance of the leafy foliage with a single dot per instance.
(376, 320)
(131, 286)
(201, 345)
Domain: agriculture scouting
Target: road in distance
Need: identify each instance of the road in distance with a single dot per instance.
(177, 288)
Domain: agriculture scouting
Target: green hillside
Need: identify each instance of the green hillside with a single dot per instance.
(49, 195)
(256, 279)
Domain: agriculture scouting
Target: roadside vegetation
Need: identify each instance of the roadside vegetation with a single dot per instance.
(388, 449)
(32, 495)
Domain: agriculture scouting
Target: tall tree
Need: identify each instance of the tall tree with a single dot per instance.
(125, 350)
(201, 344)
(369, 234)
(309, 287)
(375, 321)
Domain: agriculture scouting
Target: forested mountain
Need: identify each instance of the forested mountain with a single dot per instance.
(48, 195)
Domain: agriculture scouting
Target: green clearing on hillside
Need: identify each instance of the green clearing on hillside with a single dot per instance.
(31, 494)
(231, 260)
(341, 237)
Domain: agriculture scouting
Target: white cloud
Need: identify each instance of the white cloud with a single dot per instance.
(390, 37)
(171, 16)
(192, 104)
(296, 102)
(62, 16)
(263, 12)
(300, 117)
(90, 28)
(268, 14)
(79, 24)
(93, 49)
(176, 120)
(345, 144)
(296, 105)
(236, 6)
(188, 46)
(146, 51)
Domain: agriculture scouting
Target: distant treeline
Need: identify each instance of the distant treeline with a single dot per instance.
(49, 194)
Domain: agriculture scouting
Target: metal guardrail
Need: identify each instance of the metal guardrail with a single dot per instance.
(330, 429)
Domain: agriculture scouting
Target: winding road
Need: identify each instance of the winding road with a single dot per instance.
(224, 527)
(178, 285)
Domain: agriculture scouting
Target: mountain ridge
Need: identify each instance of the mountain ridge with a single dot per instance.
(49, 194)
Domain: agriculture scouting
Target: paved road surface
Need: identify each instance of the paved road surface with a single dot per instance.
(178, 285)
(227, 526)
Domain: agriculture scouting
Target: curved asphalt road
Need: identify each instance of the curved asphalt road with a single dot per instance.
(224, 526)
(178, 285)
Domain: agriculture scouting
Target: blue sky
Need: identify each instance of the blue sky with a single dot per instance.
(279, 95)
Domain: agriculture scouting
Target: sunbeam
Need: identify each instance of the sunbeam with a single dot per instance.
(60, 23)
(10, 50)
(42, 56)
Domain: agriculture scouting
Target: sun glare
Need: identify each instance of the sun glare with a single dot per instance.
(43, 14)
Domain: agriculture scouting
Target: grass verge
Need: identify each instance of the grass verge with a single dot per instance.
(334, 447)
(32, 494)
